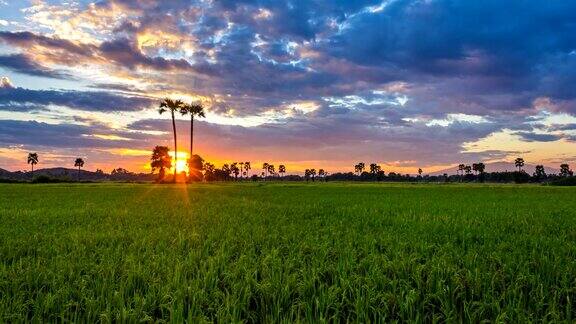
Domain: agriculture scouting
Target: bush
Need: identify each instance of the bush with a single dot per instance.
(570, 181)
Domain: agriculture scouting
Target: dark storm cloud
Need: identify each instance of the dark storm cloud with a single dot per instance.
(20, 99)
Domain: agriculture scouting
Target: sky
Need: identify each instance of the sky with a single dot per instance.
(317, 84)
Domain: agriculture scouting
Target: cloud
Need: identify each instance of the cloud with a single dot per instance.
(5, 83)
(22, 64)
(21, 99)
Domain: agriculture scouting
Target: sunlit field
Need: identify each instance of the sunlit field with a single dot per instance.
(270, 252)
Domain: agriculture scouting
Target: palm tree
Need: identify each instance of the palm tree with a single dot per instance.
(265, 168)
(247, 167)
(420, 172)
(539, 172)
(519, 163)
(235, 170)
(271, 170)
(172, 106)
(161, 160)
(359, 168)
(282, 169)
(241, 169)
(193, 110)
(32, 160)
(565, 170)
(374, 168)
(79, 163)
(468, 169)
(321, 173)
(313, 173)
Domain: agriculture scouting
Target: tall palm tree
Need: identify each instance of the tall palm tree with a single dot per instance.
(193, 110)
(519, 163)
(32, 160)
(247, 168)
(282, 169)
(265, 168)
(161, 160)
(79, 163)
(172, 106)
(241, 169)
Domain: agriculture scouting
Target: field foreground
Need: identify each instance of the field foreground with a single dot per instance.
(287, 252)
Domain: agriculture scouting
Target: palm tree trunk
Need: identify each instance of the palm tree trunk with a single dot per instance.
(78, 173)
(191, 135)
(175, 147)
(32, 171)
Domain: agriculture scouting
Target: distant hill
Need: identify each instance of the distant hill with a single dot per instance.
(500, 167)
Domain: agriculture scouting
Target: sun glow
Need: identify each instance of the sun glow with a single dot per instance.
(181, 163)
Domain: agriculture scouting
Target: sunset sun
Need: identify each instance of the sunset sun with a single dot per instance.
(182, 162)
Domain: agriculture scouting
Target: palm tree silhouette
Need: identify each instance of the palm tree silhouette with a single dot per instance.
(359, 168)
(235, 170)
(247, 168)
(241, 169)
(193, 110)
(565, 170)
(32, 160)
(313, 174)
(172, 106)
(79, 163)
(374, 168)
(265, 168)
(161, 160)
(420, 172)
(282, 169)
(519, 163)
(271, 170)
(461, 169)
(539, 172)
(321, 173)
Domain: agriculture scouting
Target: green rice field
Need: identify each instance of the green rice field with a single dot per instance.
(281, 252)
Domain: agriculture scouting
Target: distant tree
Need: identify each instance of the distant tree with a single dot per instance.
(359, 168)
(282, 169)
(119, 171)
(271, 170)
(235, 170)
(312, 174)
(321, 173)
(226, 169)
(519, 163)
(461, 168)
(468, 170)
(79, 163)
(247, 168)
(192, 110)
(565, 170)
(420, 172)
(172, 106)
(374, 168)
(241, 169)
(195, 167)
(161, 160)
(539, 172)
(479, 168)
(265, 168)
(307, 174)
(32, 160)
